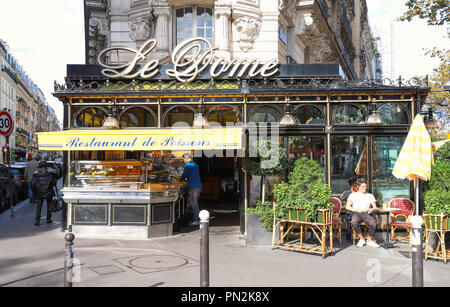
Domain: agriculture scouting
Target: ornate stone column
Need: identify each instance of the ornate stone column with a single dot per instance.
(222, 13)
(161, 11)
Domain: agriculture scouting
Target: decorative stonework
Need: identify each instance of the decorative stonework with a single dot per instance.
(141, 29)
(247, 30)
(321, 51)
(97, 38)
(222, 14)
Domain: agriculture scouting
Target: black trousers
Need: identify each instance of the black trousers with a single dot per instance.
(358, 217)
(39, 203)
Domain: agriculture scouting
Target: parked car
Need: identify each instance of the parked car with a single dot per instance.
(5, 192)
(54, 168)
(18, 171)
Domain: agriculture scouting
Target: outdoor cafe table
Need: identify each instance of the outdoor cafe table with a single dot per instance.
(387, 244)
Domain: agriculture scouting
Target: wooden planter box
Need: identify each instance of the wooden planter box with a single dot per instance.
(436, 221)
(299, 215)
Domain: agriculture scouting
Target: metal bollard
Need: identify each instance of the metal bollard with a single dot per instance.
(204, 248)
(68, 261)
(417, 251)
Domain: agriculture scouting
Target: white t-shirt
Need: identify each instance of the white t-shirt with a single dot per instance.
(361, 201)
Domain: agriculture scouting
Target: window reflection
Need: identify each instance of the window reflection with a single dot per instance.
(223, 115)
(137, 117)
(90, 118)
(347, 161)
(265, 115)
(193, 21)
(385, 150)
(312, 148)
(179, 114)
(393, 114)
(348, 114)
(309, 115)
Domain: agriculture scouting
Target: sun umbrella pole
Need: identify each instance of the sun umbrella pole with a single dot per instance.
(417, 195)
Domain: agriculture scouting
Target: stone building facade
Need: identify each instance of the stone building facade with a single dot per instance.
(293, 31)
(26, 102)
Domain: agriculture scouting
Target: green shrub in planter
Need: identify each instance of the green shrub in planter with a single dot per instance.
(264, 212)
(304, 190)
(443, 153)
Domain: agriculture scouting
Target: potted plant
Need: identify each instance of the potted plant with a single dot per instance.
(437, 196)
(260, 224)
(305, 197)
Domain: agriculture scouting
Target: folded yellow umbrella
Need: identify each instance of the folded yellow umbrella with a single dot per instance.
(416, 157)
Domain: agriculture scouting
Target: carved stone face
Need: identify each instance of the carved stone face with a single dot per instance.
(140, 29)
(247, 29)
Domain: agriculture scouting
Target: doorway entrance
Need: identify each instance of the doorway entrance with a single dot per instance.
(220, 193)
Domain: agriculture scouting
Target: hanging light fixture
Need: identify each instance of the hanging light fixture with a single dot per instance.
(374, 119)
(287, 120)
(200, 121)
(111, 121)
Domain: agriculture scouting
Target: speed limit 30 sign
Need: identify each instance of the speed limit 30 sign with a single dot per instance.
(6, 123)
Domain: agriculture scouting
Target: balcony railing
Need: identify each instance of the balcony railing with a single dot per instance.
(349, 63)
(324, 8)
(346, 22)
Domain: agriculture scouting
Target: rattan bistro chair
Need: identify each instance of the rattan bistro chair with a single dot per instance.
(337, 223)
(401, 219)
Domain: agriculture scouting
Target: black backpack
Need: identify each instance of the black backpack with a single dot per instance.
(41, 183)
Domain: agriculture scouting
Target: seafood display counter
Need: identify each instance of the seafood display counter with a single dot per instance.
(132, 199)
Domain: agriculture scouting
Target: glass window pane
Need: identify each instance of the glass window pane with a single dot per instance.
(348, 160)
(385, 150)
(200, 11)
(92, 117)
(309, 115)
(348, 114)
(223, 115)
(179, 12)
(392, 114)
(137, 117)
(188, 11)
(312, 148)
(179, 114)
(265, 114)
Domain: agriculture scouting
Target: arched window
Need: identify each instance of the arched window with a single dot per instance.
(193, 21)
(138, 117)
(348, 114)
(91, 117)
(223, 115)
(179, 114)
(393, 114)
(265, 114)
(308, 115)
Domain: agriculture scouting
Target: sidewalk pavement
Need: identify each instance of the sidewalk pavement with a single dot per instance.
(34, 256)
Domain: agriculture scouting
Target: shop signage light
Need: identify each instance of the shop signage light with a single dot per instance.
(188, 62)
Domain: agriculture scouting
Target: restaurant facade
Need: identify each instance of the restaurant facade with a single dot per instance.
(145, 98)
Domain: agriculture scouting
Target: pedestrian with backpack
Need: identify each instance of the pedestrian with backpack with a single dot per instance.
(42, 185)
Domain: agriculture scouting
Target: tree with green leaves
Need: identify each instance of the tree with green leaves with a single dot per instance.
(435, 12)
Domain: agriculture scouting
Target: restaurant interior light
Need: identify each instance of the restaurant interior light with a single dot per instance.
(200, 121)
(287, 120)
(374, 119)
(111, 123)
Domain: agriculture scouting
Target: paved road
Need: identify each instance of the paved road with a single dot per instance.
(34, 256)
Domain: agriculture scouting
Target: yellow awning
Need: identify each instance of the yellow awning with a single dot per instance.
(142, 139)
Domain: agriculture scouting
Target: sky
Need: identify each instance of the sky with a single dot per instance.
(46, 35)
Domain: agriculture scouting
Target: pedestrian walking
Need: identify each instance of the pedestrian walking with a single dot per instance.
(42, 184)
(32, 166)
(192, 174)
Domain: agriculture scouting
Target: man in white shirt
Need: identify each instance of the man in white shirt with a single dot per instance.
(361, 204)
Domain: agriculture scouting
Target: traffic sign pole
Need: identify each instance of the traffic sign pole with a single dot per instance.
(6, 127)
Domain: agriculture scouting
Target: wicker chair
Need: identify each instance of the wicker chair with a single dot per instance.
(407, 212)
(337, 223)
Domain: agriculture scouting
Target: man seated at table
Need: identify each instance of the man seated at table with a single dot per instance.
(361, 204)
